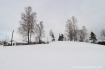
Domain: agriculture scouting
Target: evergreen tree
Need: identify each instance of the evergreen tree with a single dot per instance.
(61, 37)
(93, 37)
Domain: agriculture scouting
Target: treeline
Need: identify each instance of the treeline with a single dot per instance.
(29, 27)
(73, 33)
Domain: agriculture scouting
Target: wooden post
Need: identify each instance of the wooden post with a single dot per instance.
(12, 37)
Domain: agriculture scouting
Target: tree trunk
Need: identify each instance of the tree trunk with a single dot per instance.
(28, 36)
(39, 39)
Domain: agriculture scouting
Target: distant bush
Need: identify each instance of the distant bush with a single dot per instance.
(102, 43)
(5, 43)
(61, 37)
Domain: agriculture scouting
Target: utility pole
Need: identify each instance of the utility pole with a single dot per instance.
(12, 37)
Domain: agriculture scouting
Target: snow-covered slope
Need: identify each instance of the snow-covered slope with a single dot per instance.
(53, 56)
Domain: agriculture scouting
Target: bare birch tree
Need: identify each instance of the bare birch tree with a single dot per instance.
(27, 23)
(83, 34)
(103, 34)
(72, 29)
(75, 28)
(40, 31)
(69, 29)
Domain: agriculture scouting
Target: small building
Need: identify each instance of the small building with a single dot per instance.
(13, 43)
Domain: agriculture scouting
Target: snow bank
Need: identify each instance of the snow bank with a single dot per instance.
(53, 56)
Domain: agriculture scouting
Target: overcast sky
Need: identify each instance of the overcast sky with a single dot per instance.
(54, 14)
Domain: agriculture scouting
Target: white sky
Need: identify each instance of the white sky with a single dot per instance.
(54, 14)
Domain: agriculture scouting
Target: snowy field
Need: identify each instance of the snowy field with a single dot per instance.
(53, 56)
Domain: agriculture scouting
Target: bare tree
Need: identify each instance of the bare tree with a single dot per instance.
(69, 29)
(72, 29)
(27, 23)
(75, 28)
(52, 35)
(40, 31)
(83, 33)
(103, 34)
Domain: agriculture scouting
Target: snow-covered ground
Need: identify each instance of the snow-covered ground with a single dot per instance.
(53, 56)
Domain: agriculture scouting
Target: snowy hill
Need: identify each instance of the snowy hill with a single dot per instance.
(53, 56)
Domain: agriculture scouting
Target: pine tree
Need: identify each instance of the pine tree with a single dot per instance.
(93, 37)
(61, 37)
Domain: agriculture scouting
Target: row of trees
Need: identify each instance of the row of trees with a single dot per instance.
(29, 27)
(76, 34)
(73, 33)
